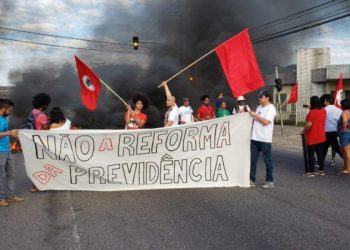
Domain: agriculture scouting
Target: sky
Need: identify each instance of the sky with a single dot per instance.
(75, 18)
(71, 18)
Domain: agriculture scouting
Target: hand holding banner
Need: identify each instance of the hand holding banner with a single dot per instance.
(213, 153)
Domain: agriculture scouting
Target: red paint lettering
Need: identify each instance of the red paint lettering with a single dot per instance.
(106, 144)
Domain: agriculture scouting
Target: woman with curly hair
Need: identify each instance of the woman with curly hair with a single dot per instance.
(134, 118)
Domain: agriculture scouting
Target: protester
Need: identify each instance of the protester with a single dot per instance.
(186, 112)
(240, 106)
(40, 103)
(205, 111)
(344, 135)
(7, 166)
(315, 135)
(135, 118)
(41, 122)
(58, 121)
(172, 115)
(333, 115)
(261, 138)
(218, 101)
(222, 110)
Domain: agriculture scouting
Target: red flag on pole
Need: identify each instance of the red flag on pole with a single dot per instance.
(338, 91)
(293, 97)
(89, 84)
(239, 64)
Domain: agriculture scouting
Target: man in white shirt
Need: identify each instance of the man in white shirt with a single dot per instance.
(186, 112)
(261, 138)
(172, 115)
(333, 115)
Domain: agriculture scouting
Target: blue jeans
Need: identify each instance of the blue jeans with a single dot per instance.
(265, 148)
(7, 175)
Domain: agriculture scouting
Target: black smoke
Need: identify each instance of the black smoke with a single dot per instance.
(172, 34)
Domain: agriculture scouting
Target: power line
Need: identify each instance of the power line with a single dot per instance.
(262, 39)
(65, 37)
(325, 16)
(297, 29)
(298, 14)
(76, 38)
(311, 34)
(274, 22)
(64, 46)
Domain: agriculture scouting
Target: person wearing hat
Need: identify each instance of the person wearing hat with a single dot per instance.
(240, 106)
(261, 138)
(186, 112)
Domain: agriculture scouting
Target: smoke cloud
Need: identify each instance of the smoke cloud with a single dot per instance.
(172, 34)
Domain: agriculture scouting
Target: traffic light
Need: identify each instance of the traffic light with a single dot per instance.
(135, 41)
(278, 84)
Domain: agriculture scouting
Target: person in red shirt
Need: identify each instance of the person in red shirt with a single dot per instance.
(40, 103)
(205, 111)
(136, 119)
(314, 130)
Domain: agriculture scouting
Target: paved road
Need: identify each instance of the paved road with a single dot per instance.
(299, 213)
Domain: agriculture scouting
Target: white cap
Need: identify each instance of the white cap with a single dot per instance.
(241, 98)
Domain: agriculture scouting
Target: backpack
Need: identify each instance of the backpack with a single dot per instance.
(30, 122)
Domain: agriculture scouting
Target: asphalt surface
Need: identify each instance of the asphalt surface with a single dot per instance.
(299, 213)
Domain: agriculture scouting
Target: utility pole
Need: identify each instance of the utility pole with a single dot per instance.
(279, 88)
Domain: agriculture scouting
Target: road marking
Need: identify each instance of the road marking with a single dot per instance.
(73, 218)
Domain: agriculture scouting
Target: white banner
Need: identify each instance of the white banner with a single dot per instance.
(213, 153)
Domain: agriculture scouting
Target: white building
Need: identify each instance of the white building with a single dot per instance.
(315, 76)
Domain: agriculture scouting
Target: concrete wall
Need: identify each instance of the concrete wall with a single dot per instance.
(333, 71)
(307, 60)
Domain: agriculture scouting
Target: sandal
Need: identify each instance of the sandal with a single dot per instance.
(344, 172)
(34, 189)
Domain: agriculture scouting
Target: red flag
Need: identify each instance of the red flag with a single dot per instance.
(293, 97)
(239, 64)
(89, 84)
(338, 91)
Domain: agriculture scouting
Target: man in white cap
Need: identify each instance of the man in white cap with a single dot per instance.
(240, 106)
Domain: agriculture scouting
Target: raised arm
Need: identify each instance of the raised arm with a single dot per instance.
(167, 90)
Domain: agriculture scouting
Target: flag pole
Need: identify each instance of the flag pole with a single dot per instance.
(121, 99)
(287, 100)
(184, 69)
(279, 103)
